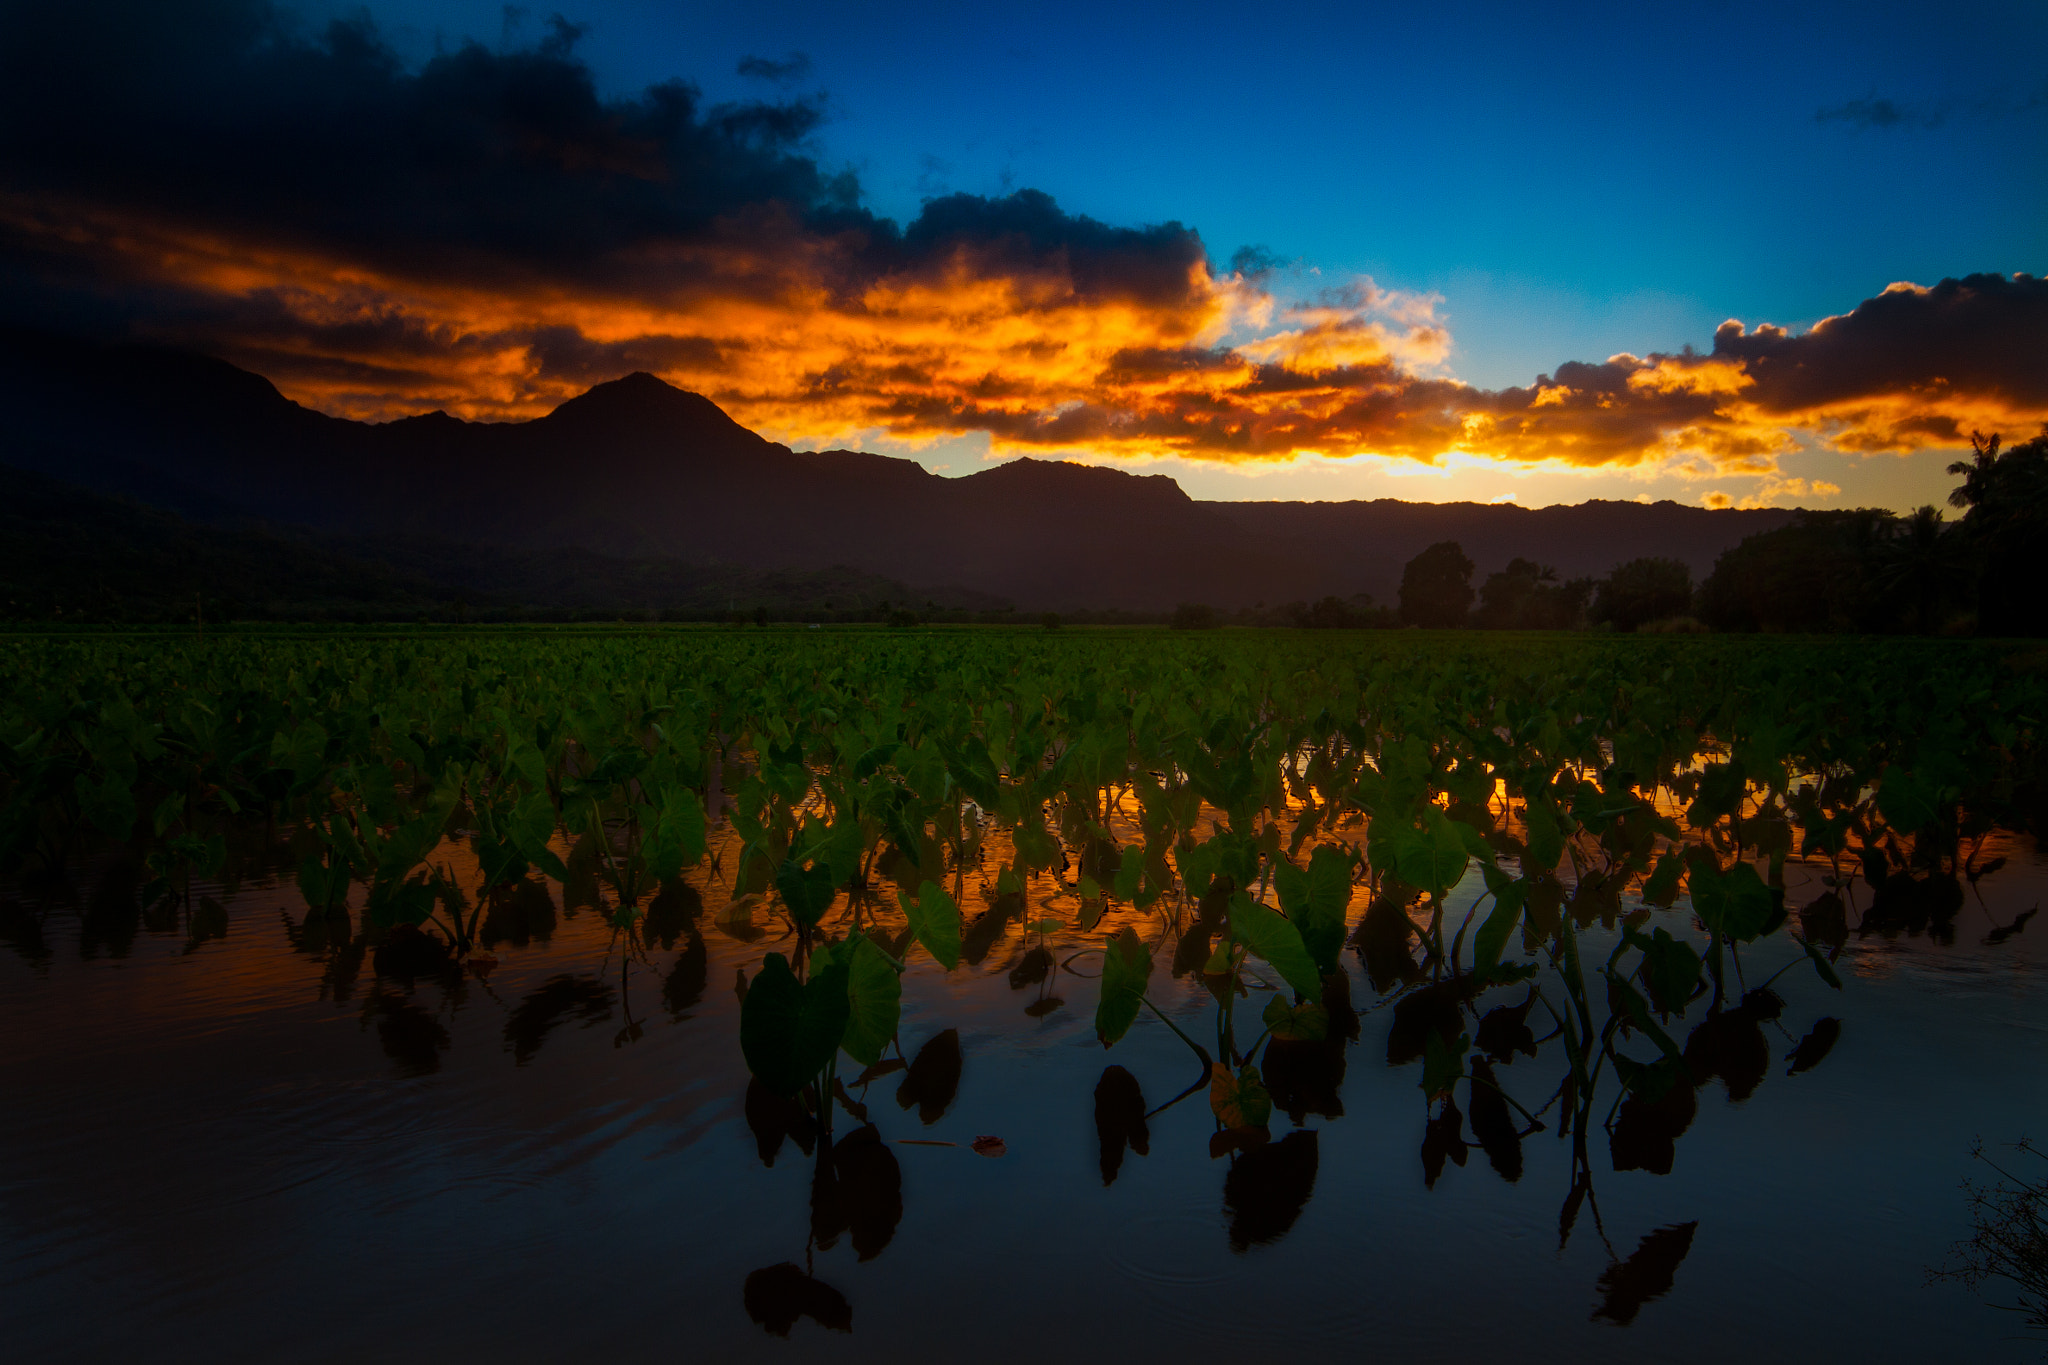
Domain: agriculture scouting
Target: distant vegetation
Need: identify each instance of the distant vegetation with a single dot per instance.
(1860, 571)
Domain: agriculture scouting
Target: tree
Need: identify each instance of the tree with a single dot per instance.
(1436, 587)
(1336, 613)
(1527, 596)
(1922, 570)
(1642, 591)
(2006, 497)
(1811, 576)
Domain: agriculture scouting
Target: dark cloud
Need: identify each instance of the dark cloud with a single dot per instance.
(790, 69)
(223, 115)
(1983, 334)
(1252, 262)
(209, 170)
(1872, 112)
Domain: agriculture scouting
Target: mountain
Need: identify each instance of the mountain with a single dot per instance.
(636, 470)
(67, 554)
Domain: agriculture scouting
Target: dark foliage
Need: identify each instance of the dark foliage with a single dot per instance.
(1436, 587)
(1642, 591)
(1528, 596)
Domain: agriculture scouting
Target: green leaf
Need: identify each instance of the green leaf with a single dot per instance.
(1432, 858)
(1263, 930)
(1442, 1063)
(1239, 1101)
(790, 1030)
(675, 839)
(874, 998)
(1649, 1081)
(1822, 965)
(836, 847)
(1308, 1022)
(1662, 887)
(401, 902)
(1637, 1011)
(935, 920)
(1907, 800)
(1671, 970)
(1130, 873)
(531, 825)
(523, 758)
(1492, 938)
(1735, 903)
(1546, 837)
(110, 805)
(807, 891)
(1126, 967)
(322, 885)
(1316, 901)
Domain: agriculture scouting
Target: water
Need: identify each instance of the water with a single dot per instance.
(226, 1149)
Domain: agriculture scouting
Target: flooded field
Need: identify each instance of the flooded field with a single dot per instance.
(1221, 1067)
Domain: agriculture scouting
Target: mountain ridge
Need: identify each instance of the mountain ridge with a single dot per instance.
(637, 468)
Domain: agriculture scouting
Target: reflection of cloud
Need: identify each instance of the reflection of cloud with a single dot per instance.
(488, 235)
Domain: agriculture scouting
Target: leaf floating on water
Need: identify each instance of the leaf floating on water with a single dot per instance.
(987, 1145)
(480, 964)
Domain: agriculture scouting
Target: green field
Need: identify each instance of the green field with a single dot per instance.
(1236, 788)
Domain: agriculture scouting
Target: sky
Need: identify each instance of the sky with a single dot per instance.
(1723, 253)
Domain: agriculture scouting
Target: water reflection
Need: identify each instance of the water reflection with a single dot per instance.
(2007, 1251)
(1648, 1273)
(777, 1295)
(1268, 1187)
(933, 1078)
(1119, 1120)
(1500, 1055)
(559, 1000)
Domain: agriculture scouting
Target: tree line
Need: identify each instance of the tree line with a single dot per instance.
(1864, 571)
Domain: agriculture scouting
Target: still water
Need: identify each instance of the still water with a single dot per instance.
(238, 1137)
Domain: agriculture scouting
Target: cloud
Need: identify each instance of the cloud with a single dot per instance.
(488, 234)
(1873, 112)
(790, 69)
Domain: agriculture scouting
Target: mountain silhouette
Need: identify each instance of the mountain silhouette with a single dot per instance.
(636, 469)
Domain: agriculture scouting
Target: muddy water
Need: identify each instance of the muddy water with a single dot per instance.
(251, 1144)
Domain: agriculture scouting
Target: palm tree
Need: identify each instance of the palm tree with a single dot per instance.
(1977, 472)
(1923, 565)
